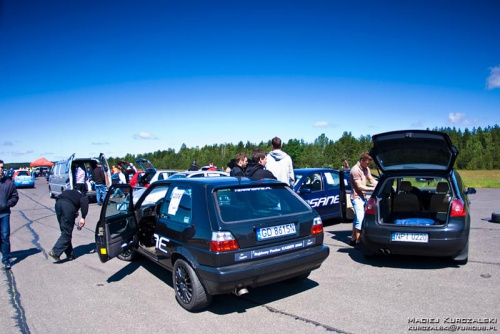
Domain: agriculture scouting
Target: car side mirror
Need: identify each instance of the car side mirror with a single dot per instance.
(470, 191)
(304, 191)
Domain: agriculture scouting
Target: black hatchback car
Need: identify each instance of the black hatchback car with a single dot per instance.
(420, 204)
(216, 235)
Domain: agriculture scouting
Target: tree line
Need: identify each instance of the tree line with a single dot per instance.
(479, 148)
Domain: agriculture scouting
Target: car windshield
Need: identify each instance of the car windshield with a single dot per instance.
(236, 204)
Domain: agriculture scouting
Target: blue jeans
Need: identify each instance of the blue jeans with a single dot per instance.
(100, 193)
(5, 237)
(358, 205)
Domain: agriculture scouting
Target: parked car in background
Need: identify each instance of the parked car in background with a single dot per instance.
(162, 175)
(420, 205)
(216, 235)
(137, 178)
(23, 178)
(198, 173)
(9, 173)
(320, 188)
(149, 169)
(62, 174)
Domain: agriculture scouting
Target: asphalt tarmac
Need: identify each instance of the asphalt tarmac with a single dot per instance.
(348, 294)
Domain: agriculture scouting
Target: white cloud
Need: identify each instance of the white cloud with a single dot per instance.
(321, 124)
(456, 117)
(20, 153)
(8, 143)
(459, 118)
(493, 80)
(103, 143)
(145, 135)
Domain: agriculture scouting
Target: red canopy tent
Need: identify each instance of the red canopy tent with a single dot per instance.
(42, 162)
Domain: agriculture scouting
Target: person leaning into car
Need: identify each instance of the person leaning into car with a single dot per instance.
(359, 176)
(67, 205)
(8, 199)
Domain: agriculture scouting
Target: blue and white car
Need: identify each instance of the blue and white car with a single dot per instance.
(23, 178)
(320, 188)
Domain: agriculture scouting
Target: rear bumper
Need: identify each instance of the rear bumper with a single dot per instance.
(261, 272)
(439, 244)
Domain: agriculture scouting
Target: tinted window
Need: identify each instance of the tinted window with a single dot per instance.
(237, 204)
(118, 202)
(177, 205)
(313, 182)
(332, 180)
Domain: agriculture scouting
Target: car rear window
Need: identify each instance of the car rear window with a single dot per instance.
(236, 204)
(22, 173)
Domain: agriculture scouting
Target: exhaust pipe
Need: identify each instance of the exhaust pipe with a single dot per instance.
(385, 251)
(240, 291)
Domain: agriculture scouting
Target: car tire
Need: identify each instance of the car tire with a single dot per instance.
(495, 217)
(189, 292)
(51, 193)
(128, 255)
(463, 257)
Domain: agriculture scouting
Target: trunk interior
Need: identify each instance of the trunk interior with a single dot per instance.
(414, 201)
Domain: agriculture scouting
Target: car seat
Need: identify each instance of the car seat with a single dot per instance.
(439, 200)
(405, 200)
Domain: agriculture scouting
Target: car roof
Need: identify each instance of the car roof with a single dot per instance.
(223, 181)
(187, 173)
(315, 169)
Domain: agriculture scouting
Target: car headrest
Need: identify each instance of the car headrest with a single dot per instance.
(442, 187)
(405, 186)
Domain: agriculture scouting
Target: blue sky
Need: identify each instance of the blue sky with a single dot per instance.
(88, 76)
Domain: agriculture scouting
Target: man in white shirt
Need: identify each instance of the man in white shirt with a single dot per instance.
(280, 164)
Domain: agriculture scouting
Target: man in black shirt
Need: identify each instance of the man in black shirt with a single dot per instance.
(67, 205)
(256, 168)
(8, 198)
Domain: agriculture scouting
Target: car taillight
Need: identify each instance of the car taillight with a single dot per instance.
(317, 227)
(223, 242)
(370, 207)
(457, 208)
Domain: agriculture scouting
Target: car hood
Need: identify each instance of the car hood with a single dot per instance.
(413, 150)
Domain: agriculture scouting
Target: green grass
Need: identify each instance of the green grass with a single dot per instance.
(481, 178)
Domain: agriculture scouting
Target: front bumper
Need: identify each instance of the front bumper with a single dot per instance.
(262, 272)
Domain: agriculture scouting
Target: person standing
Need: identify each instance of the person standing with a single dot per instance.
(67, 205)
(8, 199)
(280, 164)
(240, 165)
(359, 176)
(80, 178)
(193, 166)
(100, 184)
(256, 168)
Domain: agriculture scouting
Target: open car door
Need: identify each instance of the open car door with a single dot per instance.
(106, 169)
(116, 229)
(346, 210)
(69, 172)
